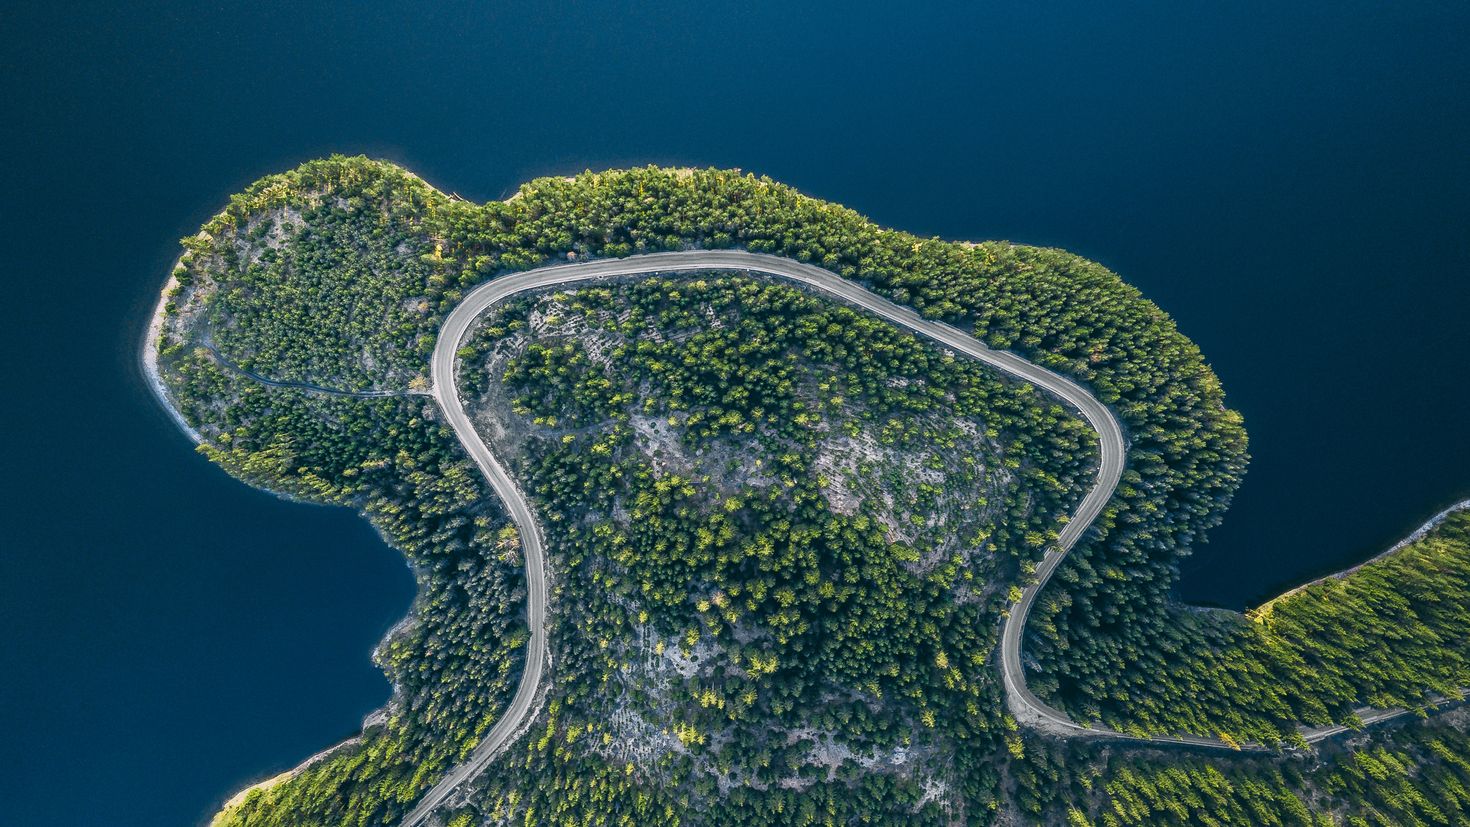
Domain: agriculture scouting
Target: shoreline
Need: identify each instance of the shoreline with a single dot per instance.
(1412, 537)
(233, 802)
(149, 355)
(150, 361)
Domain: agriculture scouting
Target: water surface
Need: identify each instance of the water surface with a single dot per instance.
(1291, 185)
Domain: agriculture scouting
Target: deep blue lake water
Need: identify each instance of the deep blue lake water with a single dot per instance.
(1291, 184)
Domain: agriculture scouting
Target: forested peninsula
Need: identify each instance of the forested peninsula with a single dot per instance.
(783, 534)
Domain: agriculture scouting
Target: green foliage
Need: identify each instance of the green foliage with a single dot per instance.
(1187, 795)
(332, 278)
(555, 782)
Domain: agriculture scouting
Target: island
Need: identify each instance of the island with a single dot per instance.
(729, 507)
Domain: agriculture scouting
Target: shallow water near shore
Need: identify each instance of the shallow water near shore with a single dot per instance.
(1290, 186)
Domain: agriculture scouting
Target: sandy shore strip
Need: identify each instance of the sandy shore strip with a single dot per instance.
(150, 354)
(1416, 535)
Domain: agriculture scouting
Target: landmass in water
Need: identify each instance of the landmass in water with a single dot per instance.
(783, 531)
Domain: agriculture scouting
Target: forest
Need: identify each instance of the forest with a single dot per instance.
(817, 609)
(722, 460)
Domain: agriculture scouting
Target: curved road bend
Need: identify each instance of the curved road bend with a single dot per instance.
(1025, 706)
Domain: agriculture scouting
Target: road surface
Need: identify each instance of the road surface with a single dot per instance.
(1024, 706)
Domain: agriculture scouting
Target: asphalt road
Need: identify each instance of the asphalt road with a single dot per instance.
(1023, 703)
(1024, 706)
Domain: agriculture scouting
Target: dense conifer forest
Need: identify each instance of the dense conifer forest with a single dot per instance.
(783, 534)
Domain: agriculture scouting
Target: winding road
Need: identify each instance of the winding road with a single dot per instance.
(1023, 705)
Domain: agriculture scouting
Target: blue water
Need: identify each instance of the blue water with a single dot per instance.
(1291, 184)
